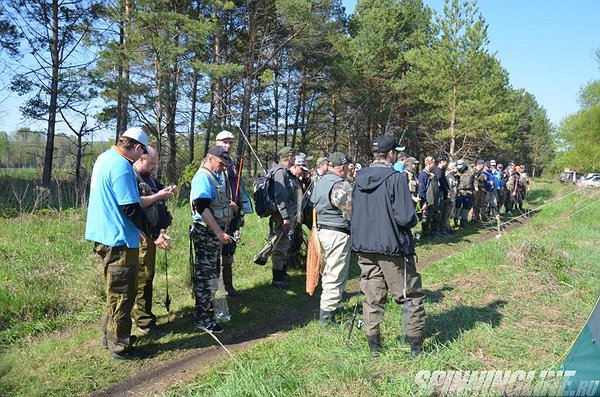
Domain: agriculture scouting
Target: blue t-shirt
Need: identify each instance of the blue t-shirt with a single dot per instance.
(113, 184)
(203, 187)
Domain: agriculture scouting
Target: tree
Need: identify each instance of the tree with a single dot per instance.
(458, 84)
(578, 133)
(53, 31)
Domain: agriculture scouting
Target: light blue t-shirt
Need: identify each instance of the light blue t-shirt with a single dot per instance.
(113, 184)
(203, 187)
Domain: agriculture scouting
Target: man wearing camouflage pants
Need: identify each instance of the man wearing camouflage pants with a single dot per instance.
(212, 210)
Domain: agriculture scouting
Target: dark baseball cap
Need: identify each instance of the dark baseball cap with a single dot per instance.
(385, 143)
(338, 158)
(286, 151)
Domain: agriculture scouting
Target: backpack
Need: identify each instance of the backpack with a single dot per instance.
(264, 198)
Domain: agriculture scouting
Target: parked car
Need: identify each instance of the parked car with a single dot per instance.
(593, 181)
(570, 177)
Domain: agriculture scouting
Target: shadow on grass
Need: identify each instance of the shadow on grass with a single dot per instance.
(438, 295)
(446, 327)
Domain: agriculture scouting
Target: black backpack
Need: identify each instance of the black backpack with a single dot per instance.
(264, 198)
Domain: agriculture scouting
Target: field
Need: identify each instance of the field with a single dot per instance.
(514, 302)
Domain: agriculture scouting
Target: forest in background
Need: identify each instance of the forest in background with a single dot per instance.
(299, 73)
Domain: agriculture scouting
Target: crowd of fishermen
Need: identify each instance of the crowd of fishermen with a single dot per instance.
(365, 210)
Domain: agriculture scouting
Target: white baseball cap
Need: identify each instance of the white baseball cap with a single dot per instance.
(224, 135)
(138, 134)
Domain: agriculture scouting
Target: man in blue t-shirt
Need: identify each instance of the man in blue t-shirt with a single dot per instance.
(212, 210)
(114, 221)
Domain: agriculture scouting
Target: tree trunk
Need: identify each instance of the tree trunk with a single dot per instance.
(49, 152)
(191, 139)
(123, 78)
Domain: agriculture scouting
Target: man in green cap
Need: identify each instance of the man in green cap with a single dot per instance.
(281, 222)
(332, 198)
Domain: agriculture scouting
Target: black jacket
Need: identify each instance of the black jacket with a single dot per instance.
(382, 212)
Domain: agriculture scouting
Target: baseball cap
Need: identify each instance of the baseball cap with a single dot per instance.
(301, 161)
(493, 162)
(221, 153)
(443, 157)
(286, 151)
(460, 163)
(338, 158)
(137, 134)
(224, 135)
(412, 160)
(385, 143)
(480, 162)
(322, 160)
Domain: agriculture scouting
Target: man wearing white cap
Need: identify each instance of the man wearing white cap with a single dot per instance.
(114, 221)
(240, 197)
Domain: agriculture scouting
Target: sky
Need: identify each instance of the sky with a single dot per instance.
(547, 46)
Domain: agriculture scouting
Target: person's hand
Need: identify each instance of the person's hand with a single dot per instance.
(415, 199)
(166, 193)
(286, 224)
(235, 207)
(163, 241)
(224, 238)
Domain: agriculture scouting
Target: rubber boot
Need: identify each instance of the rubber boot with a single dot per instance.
(416, 346)
(278, 279)
(228, 276)
(374, 342)
(326, 318)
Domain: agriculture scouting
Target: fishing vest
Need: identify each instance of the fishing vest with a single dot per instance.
(220, 207)
(327, 214)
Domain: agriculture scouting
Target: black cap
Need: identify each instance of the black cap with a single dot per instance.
(221, 153)
(385, 143)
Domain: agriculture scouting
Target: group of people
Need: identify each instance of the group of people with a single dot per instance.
(446, 192)
(367, 211)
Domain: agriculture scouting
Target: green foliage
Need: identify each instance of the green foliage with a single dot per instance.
(580, 141)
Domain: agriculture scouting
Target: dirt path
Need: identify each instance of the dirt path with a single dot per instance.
(166, 375)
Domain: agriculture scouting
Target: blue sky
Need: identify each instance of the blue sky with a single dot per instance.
(547, 46)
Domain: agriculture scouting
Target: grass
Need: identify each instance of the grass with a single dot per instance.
(483, 303)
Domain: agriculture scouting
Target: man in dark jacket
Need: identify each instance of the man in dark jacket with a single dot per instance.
(282, 222)
(382, 215)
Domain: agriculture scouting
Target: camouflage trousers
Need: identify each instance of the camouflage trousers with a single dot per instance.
(207, 249)
(142, 309)
(120, 279)
(383, 273)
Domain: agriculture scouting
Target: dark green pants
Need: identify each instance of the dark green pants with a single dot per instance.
(142, 310)
(383, 273)
(120, 278)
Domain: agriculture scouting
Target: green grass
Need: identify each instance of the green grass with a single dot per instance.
(513, 302)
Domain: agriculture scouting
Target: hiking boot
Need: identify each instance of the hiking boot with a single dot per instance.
(153, 331)
(131, 354)
(374, 342)
(416, 346)
(213, 328)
